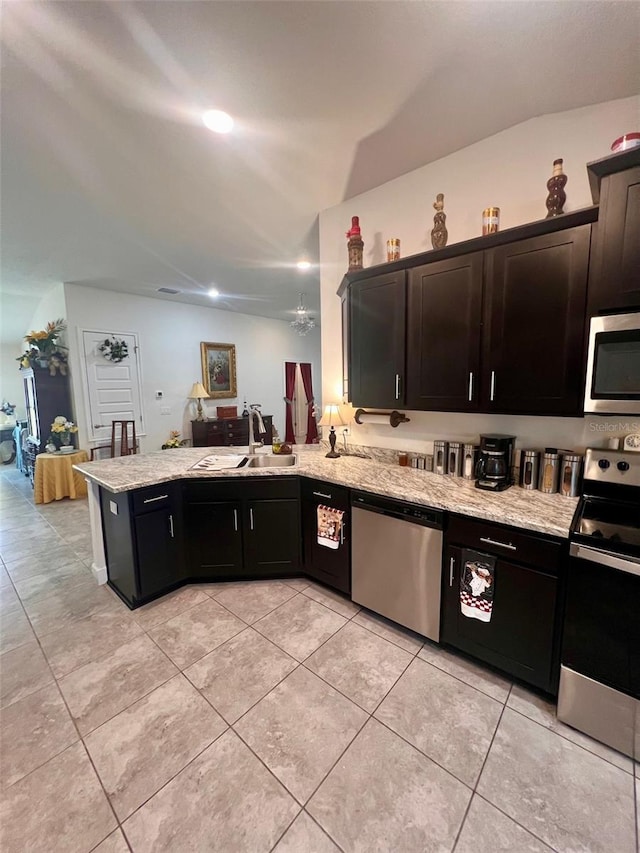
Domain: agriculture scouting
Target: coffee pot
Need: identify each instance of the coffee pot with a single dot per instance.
(493, 470)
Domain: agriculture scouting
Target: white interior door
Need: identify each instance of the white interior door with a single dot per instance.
(113, 389)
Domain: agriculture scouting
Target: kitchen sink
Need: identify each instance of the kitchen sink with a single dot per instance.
(285, 461)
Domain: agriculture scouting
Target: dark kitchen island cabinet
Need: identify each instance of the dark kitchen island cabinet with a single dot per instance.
(377, 341)
(144, 543)
(523, 634)
(331, 566)
(614, 277)
(243, 528)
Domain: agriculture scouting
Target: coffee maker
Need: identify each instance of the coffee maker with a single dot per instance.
(493, 471)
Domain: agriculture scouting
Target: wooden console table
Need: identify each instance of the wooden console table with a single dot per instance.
(229, 432)
(55, 478)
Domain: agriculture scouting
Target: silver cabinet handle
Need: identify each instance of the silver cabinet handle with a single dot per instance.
(452, 563)
(605, 558)
(98, 426)
(152, 500)
(322, 495)
(342, 533)
(171, 526)
(235, 520)
(506, 545)
(397, 386)
(493, 386)
(251, 517)
(470, 387)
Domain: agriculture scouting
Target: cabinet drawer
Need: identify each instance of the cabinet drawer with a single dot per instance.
(152, 498)
(322, 492)
(508, 542)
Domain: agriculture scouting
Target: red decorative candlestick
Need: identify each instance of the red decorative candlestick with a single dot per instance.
(355, 244)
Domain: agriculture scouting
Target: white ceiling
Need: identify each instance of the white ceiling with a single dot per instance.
(110, 179)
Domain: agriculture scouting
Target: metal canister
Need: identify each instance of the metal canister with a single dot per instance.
(454, 465)
(571, 475)
(393, 249)
(428, 462)
(469, 461)
(529, 469)
(490, 220)
(440, 451)
(549, 476)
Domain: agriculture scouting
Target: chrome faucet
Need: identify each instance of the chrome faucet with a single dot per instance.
(254, 409)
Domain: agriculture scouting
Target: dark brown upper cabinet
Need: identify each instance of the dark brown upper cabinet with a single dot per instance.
(495, 324)
(534, 324)
(377, 341)
(614, 277)
(444, 314)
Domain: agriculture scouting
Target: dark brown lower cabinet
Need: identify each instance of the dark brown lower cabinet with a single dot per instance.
(328, 565)
(522, 638)
(214, 539)
(143, 542)
(243, 528)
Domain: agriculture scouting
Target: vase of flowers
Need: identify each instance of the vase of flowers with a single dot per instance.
(45, 350)
(62, 431)
(174, 440)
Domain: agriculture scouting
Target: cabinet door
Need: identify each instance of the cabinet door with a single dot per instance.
(272, 537)
(214, 538)
(158, 554)
(615, 275)
(377, 341)
(535, 304)
(519, 639)
(444, 317)
(328, 565)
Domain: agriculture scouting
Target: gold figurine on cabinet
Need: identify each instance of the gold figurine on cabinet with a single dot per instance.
(439, 233)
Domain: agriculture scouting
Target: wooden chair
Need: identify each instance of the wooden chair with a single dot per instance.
(128, 441)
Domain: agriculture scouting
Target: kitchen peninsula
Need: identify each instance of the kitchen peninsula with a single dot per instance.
(158, 523)
(531, 510)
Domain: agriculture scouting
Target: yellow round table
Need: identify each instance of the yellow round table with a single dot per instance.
(55, 478)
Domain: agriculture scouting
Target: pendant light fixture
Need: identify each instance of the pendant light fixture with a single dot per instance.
(303, 323)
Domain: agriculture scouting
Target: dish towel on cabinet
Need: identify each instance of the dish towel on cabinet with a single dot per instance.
(329, 526)
(477, 585)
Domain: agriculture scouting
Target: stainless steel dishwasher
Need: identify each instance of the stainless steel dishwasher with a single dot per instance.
(397, 561)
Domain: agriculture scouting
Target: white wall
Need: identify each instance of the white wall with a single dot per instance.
(10, 380)
(508, 170)
(169, 335)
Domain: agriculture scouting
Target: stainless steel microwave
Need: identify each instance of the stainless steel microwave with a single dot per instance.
(613, 365)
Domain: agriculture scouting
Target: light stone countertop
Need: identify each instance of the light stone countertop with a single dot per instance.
(529, 510)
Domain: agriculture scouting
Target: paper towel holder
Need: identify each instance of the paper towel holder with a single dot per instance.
(395, 418)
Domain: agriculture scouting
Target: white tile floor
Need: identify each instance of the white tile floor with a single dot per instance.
(265, 716)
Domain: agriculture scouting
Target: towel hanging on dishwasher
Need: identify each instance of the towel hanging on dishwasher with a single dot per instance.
(329, 526)
(477, 585)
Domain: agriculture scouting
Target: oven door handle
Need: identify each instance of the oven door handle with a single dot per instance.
(606, 558)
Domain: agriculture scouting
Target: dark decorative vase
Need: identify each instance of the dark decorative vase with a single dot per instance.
(556, 184)
(439, 233)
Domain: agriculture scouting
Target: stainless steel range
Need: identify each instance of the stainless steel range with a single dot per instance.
(600, 672)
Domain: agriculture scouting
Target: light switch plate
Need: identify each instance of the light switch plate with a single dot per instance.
(113, 507)
(165, 410)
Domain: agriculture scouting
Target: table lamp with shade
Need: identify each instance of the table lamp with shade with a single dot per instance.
(330, 417)
(198, 392)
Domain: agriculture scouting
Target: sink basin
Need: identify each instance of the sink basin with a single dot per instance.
(285, 461)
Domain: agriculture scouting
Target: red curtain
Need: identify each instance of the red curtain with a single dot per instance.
(312, 426)
(289, 389)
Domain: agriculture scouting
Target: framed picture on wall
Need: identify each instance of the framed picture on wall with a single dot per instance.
(219, 369)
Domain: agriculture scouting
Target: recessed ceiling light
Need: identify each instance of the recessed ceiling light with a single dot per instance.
(213, 293)
(218, 121)
(303, 266)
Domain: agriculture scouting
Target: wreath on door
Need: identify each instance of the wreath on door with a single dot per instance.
(113, 349)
